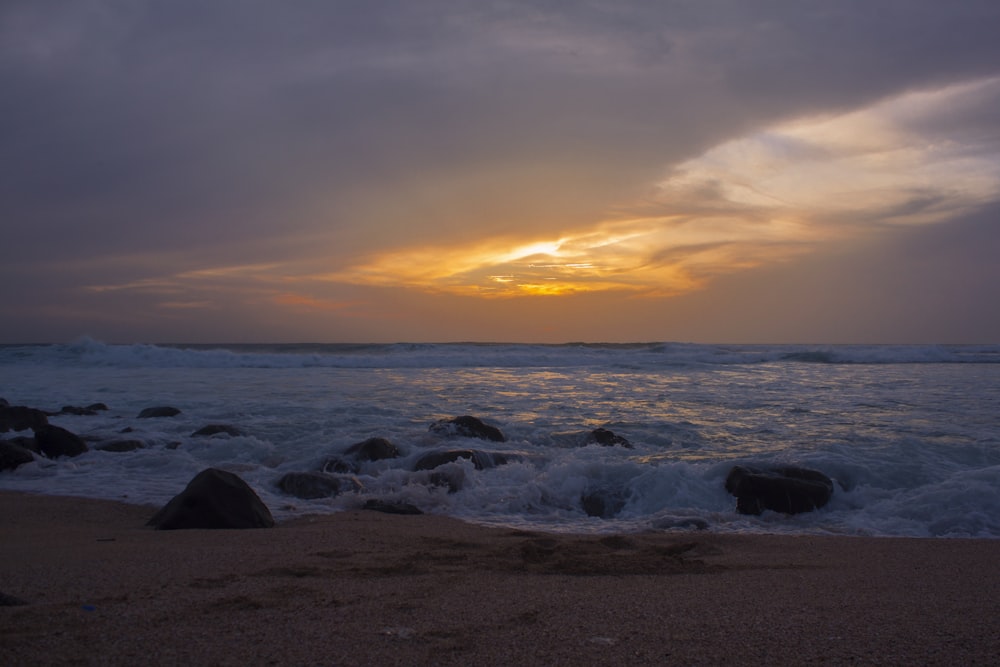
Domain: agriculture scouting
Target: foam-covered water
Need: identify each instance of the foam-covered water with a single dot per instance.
(909, 433)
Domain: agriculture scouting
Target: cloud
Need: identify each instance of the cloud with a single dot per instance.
(491, 149)
(750, 201)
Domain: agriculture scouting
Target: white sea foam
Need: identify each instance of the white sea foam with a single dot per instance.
(909, 433)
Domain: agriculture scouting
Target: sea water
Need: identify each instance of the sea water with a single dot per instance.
(910, 434)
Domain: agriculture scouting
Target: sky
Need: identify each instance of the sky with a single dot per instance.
(740, 171)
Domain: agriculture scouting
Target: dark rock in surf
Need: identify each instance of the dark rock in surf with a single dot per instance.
(786, 489)
(311, 485)
(391, 507)
(55, 441)
(452, 479)
(336, 464)
(217, 429)
(13, 455)
(602, 504)
(468, 427)
(372, 449)
(214, 499)
(160, 411)
(120, 445)
(607, 438)
(88, 411)
(21, 418)
(24, 441)
(481, 460)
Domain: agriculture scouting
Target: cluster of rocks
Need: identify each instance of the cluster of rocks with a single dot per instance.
(217, 499)
(53, 442)
(335, 474)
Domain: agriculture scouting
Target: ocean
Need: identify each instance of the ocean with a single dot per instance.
(909, 434)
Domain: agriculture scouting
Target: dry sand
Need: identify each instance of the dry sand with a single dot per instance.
(363, 588)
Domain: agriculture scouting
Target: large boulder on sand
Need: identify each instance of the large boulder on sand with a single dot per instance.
(55, 441)
(787, 489)
(469, 427)
(214, 499)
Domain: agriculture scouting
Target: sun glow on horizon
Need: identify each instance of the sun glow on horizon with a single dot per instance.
(752, 201)
(749, 202)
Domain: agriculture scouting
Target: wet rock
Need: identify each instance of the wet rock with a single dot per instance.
(89, 410)
(786, 489)
(468, 427)
(214, 499)
(310, 485)
(28, 443)
(159, 411)
(481, 460)
(602, 504)
(21, 418)
(372, 449)
(391, 507)
(120, 445)
(337, 464)
(453, 479)
(607, 438)
(55, 441)
(13, 455)
(216, 429)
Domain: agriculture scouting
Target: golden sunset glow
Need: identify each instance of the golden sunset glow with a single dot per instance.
(749, 202)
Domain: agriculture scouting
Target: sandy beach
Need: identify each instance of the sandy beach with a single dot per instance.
(365, 588)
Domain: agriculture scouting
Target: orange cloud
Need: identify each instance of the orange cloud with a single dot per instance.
(752, 201)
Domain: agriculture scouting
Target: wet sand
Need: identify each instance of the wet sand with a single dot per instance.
(364, 588)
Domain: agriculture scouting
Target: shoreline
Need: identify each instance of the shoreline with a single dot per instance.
(362, 587)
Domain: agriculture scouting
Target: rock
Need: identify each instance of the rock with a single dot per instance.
(120, 445)
(214, 499)
(13, 455)
(453, 479)
(606, 438)
(89, 410)
(481, 460)
(786, 489)
(55, 441)
(21, 418)
(24, 441)
(215, 429)
(338, 465)
(469, 427)
(391, 507)
(310, 485)
(602, 504)
(161, 411)
(373, 449)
